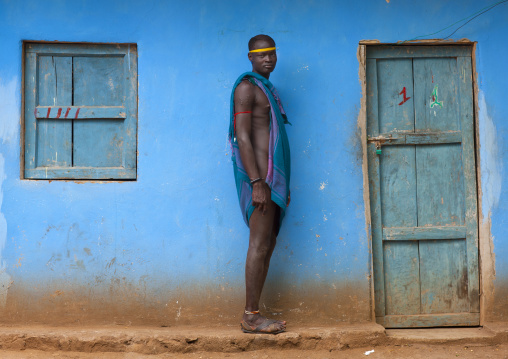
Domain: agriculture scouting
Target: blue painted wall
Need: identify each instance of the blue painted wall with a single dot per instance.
(171, 246)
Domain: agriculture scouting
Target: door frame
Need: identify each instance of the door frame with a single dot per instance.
(485, 255)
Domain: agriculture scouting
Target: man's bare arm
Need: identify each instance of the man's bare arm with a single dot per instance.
(244, 102)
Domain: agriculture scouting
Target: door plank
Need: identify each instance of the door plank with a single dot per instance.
(374, 187)
(430, 320)
(54, 137)
(402, 283)
(436, 87)
(468, 159)
(399, 208)
(379, 52)
(416, 138)
(423, 233)
(433, 138)
(393, 76)
(398, 186)
(372, 103)
(377, 235)
(440, 185)
(443, 276)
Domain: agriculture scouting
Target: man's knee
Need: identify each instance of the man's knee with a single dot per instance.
(263, 246)
(261, 230)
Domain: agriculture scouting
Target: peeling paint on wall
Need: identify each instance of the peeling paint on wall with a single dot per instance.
(491, 165)
(491, 168)
(9, 103)
(5, 279)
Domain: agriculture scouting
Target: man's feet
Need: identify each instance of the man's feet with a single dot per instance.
(256, 323)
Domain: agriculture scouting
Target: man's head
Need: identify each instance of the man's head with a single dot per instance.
(262, 55)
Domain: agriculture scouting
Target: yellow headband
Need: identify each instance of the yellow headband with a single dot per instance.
(265, 49)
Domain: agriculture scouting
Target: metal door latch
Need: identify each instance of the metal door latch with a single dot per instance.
(378, 142)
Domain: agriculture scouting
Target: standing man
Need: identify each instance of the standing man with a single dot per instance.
(261, 162)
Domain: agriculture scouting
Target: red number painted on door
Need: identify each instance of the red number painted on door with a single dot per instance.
(403, 92)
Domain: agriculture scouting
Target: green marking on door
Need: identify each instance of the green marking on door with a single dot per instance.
(434, 100)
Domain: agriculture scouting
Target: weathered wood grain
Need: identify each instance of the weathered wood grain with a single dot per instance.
(468, 160)
(440, 185)
(63, 113)
(381, 52)
(443, 277)
(374, 187)
(423, 233)
(105, 173)
(30, 103)
(393, 75)
(430, 320)
(99, 81)
(433, 138)
(54, 138)
(398, 186)
(98, 143)
(402, 283)
(436, 88)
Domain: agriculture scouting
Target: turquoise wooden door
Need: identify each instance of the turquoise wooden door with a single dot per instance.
(422, 184)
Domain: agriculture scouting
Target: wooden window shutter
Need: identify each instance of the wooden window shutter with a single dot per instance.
(80, 111)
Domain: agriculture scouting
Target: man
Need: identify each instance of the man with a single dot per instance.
(261, 163)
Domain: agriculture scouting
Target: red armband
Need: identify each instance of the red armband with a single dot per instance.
(234, 119)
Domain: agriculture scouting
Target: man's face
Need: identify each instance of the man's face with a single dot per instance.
(263, 62)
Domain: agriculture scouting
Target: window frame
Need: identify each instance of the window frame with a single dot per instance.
(32, 111)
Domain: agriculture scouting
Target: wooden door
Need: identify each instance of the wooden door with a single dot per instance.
(422, 184)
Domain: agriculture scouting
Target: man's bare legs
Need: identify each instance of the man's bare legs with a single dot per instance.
(262, 242)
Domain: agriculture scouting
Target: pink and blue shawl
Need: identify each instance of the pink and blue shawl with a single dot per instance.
(279, 161)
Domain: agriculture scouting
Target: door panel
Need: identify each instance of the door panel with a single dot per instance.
(398, 187)
(395, 75)
(436, 88)
(422, 185)
(440, 185)
(402, 268)
(444, 276)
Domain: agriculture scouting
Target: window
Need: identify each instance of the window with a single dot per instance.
(80, 111)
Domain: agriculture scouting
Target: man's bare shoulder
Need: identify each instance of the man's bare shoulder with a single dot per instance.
(245, 89)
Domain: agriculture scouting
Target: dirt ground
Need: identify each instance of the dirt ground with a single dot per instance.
(414, 351)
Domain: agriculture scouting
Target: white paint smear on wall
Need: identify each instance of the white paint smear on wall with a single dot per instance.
(491, 165)
(9, 110)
